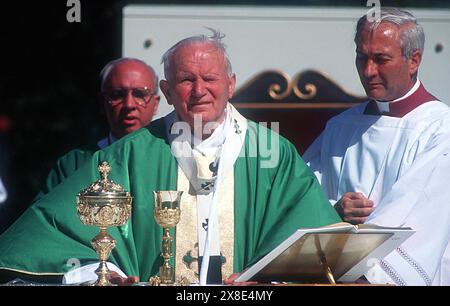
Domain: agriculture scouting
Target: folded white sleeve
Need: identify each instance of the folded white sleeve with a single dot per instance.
(87, 273)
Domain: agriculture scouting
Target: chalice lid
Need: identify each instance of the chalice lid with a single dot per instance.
(104, 187)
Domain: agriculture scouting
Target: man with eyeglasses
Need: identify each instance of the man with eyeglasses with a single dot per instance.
(245, 188)
(129, 99)
(129, 93)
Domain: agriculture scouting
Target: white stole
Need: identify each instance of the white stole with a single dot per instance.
(226, 143)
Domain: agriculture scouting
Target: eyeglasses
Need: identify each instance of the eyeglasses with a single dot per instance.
(141, 95)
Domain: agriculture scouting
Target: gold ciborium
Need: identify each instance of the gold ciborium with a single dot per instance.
(103, 204)
(167, 214)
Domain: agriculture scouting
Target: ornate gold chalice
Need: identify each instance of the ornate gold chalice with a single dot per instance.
(103, 204)
(167, 214)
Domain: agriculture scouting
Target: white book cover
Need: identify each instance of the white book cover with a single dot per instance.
(346, 250)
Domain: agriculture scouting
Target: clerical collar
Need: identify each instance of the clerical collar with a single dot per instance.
(416, 96)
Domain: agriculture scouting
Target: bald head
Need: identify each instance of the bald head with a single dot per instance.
(133, 63)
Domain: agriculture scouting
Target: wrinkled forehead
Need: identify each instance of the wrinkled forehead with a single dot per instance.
(384, 29)
(198, 51)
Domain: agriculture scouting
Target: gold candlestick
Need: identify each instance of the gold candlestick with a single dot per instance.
(103, 204)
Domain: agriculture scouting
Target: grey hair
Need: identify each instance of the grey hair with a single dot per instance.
(215, 39)
(109, 66)
(411, 38)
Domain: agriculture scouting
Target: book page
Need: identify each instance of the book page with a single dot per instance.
(304, 261)
(374, 226)
(344, 248)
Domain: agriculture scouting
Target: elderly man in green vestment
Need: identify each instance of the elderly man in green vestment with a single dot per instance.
(246, 189)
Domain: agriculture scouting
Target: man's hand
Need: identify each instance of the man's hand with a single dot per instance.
(354, 207)
(116, 279)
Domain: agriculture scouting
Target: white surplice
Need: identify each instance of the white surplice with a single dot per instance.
(402, 164)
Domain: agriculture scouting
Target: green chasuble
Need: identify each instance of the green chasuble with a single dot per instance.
(270, 204)
(65, 166)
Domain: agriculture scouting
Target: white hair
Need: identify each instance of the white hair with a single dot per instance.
(215, 39)
(411, 38)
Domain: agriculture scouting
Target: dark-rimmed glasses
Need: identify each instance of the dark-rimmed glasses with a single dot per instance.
(141, 95)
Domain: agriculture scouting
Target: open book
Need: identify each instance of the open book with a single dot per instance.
(339, 252)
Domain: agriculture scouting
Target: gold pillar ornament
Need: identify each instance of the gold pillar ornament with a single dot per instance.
(103, 204)
(167, 213)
